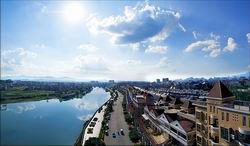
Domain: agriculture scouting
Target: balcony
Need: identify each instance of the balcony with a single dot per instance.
(214, 142)
(214, 129)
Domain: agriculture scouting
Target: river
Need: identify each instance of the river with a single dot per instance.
(48, 122)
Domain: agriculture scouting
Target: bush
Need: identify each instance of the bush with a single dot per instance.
(93, 141)
(134, 136)
(129, 119)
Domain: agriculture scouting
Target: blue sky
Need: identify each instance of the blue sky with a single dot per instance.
(134, 40)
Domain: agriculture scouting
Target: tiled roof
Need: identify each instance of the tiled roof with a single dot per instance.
(187, 125)
(187, 104)
(219, 90)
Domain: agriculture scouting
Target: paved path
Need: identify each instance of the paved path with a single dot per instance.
(116, 123)
(97, 128)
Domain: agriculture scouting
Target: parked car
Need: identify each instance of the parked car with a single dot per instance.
(122, 132)
(106, 133)
(113, 135)
(95, 119)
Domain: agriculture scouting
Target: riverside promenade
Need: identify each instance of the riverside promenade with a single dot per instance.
(97, 127)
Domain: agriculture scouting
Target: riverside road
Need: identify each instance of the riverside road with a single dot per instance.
(116, 123)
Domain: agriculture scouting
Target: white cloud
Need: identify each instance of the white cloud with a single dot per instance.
(137, 24)
(211, 46)
(90, 63)
(182, 27)
(163, 62)
(133, 62)
(13, 59)
(88, 48)
(248, 38)
(214, 36)
(156, 49)
(231, 45)
(195, 34)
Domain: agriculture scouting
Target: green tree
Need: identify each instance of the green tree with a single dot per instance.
(134, 135)
(93, 141)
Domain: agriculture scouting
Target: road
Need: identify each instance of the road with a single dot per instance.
(116, 123)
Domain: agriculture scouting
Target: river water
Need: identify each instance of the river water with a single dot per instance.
(48, 122)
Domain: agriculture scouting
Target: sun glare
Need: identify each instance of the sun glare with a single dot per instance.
(73, 12)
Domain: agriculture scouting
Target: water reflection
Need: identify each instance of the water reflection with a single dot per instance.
(84, 117)
(86, 105)
(48, 122)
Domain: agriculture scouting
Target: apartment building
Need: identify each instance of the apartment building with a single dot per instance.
(221, 120)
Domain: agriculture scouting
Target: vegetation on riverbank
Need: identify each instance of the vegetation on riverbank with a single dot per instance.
(23, 91)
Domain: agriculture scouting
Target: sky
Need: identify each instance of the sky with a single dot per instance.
(125, 40)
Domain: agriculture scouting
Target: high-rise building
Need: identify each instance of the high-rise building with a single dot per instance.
(165, 80)
(158, 81)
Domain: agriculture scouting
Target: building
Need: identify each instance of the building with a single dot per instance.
(111, 81)
(165, 80)
(221, 120)
(158, 81)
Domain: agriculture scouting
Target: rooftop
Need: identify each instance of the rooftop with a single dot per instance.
(219, 90)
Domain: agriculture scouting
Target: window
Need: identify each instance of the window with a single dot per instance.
(222, 116)
(227, 116)
(198, 115)
(214, 109)
(182, 135)
(198, 127)
(244, 121)
(210, 108)
(224, 133)
(172, 129)
(198, 139)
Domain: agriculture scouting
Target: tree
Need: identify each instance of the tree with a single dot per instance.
(94, 141)
(134, 135)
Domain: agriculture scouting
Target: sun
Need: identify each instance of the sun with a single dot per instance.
(73, 12)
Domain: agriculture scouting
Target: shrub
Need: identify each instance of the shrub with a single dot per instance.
(134, 135)
(93, 141)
